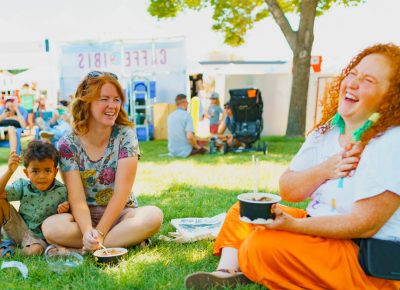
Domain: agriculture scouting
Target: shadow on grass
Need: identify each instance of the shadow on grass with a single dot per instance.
(280, 150)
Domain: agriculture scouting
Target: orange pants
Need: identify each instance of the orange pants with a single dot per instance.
(284, 260)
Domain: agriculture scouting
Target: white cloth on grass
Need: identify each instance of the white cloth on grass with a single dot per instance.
(195, 229)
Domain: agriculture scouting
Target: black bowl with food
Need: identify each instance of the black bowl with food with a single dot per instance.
(256, 208)
(109, 255)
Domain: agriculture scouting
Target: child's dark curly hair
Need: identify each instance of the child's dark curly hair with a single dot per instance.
(40, 150)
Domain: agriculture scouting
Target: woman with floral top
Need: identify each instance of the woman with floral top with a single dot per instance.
(98, 165)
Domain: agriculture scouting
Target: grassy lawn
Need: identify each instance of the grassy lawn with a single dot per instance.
(200, 186)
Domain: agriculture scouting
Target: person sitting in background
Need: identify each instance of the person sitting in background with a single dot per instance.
(213, 113)
(181, 139)
(40, 104)
(353, 197)
(11, 115)
(225, 128)
(56, 127)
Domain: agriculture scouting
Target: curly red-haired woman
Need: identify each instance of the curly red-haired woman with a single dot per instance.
(354, 193)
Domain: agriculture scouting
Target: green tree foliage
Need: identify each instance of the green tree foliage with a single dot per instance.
(235, 17)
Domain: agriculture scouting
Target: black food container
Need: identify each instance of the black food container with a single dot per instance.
(256, 208)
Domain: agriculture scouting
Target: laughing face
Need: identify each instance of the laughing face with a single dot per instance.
(363, 89)
(106, 108)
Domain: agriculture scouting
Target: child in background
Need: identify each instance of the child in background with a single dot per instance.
(28, 101)
(40, 197)
(214, 112)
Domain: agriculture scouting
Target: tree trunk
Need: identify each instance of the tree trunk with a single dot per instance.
(300, 42)
(298, 97)
(301, 69)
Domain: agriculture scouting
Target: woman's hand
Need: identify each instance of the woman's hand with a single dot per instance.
(351, 155)
(344, 163)
(282, 221)
(92, 240)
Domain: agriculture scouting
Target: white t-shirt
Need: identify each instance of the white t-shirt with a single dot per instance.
(378, 171)
(316, 149)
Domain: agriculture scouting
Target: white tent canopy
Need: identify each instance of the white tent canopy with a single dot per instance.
(41, 68)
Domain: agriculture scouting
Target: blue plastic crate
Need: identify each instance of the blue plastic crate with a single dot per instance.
(142, 133)
(140, 89)
(152, 89)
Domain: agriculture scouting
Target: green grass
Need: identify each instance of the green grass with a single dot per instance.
(200, 186)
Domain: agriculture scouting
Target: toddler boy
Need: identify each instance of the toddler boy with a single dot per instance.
(40, 197)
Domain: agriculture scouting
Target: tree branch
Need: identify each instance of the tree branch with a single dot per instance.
(282, 21)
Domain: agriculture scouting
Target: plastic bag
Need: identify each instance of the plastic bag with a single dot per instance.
(194, 229)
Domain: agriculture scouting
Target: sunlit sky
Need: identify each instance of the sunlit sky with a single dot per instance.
(339, 34)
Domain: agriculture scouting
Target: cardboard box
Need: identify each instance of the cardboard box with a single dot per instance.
(161, 112)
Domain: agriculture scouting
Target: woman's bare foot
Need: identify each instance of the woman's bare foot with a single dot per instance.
(32, 250)
(54, 250)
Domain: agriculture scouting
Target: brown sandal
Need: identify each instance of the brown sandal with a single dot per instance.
(54, 250)
(208, 280)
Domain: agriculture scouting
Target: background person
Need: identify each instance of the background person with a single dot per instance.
(53, 129)
(181, 139)
(214, 113)
(225, 128)
(11, 115)
(302, 249)
(98, 164)
(27, 97)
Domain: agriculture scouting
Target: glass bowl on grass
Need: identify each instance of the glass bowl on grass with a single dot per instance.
(63, 261)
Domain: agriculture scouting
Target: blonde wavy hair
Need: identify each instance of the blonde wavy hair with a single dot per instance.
(87, 92)
(389, 109)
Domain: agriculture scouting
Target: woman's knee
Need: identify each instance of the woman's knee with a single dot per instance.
(260, 243)
(154, 217)
(55, 224)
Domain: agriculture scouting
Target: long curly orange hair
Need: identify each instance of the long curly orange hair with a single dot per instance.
(389, 109)
(88, 91)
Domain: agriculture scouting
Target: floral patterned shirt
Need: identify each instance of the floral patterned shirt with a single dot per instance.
(98, 176)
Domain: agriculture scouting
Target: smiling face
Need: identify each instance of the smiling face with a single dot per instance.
(363, 89)
(105, 109)
(41, 173)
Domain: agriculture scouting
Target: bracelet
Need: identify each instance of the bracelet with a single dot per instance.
(100, 232)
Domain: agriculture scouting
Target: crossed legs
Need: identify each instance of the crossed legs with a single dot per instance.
(135, 226)
(18, 231)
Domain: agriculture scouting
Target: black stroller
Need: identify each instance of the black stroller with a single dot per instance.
(247, 109)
